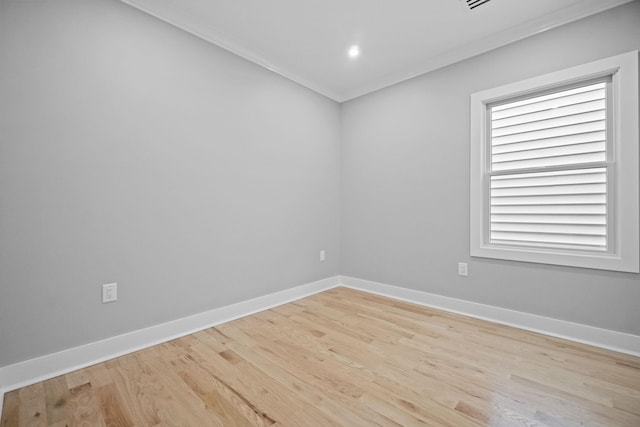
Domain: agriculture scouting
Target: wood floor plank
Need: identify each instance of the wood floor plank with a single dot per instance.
(11, 409)
(33, 408)
(345, 357)
(268, 388)
(113, 411)
(57, 399)
(84, 407)
(289, 388)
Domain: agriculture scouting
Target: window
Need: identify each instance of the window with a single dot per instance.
(554, 168)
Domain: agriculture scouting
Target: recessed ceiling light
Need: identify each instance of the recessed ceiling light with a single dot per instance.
(354, 51)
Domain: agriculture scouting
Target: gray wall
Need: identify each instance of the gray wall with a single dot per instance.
(131, 151)
(405, 183)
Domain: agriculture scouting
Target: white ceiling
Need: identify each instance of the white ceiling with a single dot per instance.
(307, 40)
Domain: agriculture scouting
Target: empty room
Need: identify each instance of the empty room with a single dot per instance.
(319, 213)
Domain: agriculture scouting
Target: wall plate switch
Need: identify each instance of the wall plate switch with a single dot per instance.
(463, 269)
(109, 292)
(323, 255)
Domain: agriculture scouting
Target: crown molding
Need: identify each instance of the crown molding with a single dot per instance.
(248, 54)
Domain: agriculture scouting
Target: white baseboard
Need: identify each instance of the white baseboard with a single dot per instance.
(51, 365)
(604, 338)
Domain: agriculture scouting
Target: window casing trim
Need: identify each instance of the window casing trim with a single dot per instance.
(623, 159)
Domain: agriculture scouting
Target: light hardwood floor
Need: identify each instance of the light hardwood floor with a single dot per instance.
(349, 358)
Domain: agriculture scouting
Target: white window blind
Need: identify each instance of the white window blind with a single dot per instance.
(548, 170)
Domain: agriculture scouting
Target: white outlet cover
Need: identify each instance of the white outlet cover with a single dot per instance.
(463, 269)
(109, 292)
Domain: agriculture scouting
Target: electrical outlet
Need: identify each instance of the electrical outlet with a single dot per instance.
(463, 269)
(323, 255)
(109, 292)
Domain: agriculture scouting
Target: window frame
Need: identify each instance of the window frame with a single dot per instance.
(623, 175)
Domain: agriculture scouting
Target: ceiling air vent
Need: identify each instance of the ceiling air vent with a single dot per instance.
(472, 4)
